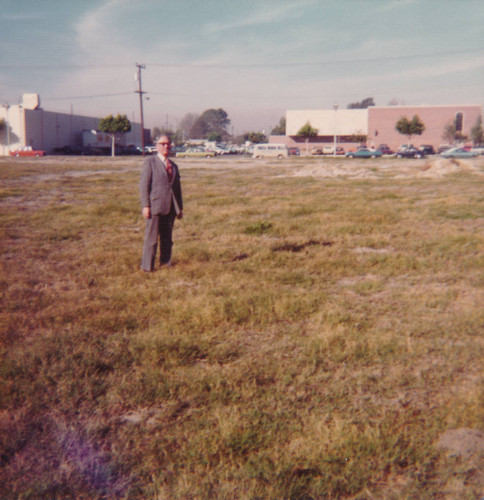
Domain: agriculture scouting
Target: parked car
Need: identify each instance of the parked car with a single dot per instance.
(220, 150)
(131, 150)
(27, 151)
(364, 153)
(459, 153)
(444, 147)
(293, 151)
(427, 149)
(327, 150)
(195, 153)
(384, 149)
(71, 150)
(409, 152)
(478, 149)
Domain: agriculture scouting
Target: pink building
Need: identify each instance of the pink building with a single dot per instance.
(382, 120)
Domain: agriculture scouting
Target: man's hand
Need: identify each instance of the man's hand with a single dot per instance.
(180, 215)
(146, 212)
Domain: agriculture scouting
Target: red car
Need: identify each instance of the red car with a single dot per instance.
(384, 149)
(27, 151)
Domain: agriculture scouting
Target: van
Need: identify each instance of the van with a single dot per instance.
(270, 150)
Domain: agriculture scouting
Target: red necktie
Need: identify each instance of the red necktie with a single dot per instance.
(169, 169)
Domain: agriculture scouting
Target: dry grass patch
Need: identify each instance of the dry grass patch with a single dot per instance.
(315, 337)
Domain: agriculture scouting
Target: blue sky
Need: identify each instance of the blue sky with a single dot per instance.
(255, 59)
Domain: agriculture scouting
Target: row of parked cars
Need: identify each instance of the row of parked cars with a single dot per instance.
(409, 151)
(261, 150)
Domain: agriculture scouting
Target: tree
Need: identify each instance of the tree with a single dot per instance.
(451, 134)
(255, 137)
(3, 126)
(211, 120)
(307, 131)
(214, 137)
(477, 132)
(364, 104)
(175, 136)
(115, 126)
(280, 129)
(186, 123)
(407, 127)
(361, 138)
(157, 132)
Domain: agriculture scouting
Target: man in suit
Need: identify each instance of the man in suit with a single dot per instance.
(161, 200)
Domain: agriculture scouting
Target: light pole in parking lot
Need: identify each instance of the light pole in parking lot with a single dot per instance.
(335, 107)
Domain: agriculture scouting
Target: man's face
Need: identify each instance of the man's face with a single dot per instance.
(163, 146)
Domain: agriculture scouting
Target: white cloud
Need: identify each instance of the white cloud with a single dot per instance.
(98, 34)
(269, 14)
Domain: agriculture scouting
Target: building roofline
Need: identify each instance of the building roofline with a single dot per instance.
(429, 106)
(395, 107)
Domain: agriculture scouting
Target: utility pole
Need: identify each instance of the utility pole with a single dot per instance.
(140, 92)
(335, 107)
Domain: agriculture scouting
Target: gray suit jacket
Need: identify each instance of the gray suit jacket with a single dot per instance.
(154, 188)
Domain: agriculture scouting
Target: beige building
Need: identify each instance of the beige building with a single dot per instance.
(30, 125)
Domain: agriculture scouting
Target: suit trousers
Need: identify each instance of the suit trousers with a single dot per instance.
(158, 226)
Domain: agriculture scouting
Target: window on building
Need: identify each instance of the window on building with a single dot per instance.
(459, 117)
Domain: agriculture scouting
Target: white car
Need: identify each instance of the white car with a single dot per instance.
(459, 153)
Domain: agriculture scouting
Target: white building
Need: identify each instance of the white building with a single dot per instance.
(30, 125)
(328, 121)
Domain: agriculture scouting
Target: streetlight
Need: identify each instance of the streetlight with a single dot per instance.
(335, 107)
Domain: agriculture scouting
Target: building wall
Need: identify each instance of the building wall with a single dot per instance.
(382, 121)
(328, 121)
(306, 147)
(48, 130)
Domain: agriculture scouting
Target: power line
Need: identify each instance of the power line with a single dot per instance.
(248, 65)
(84, 96)
(317, 63)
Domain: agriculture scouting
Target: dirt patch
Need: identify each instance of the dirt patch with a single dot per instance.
(389, 168)
(442, 167)
(462, 442)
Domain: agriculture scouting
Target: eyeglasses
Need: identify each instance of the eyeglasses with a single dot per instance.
(163, 143)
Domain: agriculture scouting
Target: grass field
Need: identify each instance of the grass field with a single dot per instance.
(319, 332)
